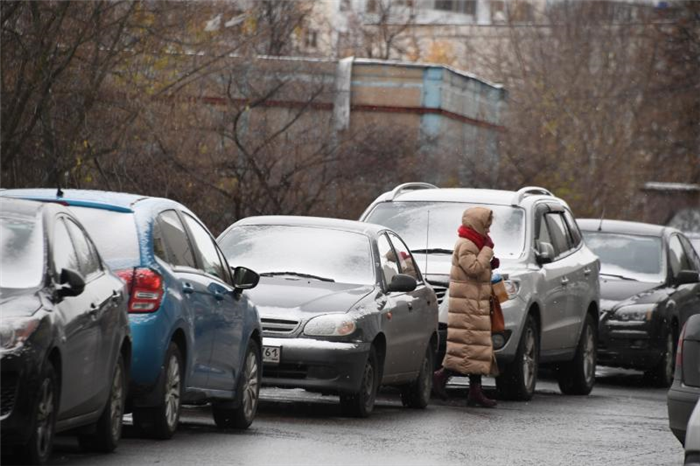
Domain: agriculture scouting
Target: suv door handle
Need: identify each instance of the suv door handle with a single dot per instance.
(187, 288)
(410, 307)
(93, 310)
(116, 297)
(586, 271)
(218, 296)
(564, 281)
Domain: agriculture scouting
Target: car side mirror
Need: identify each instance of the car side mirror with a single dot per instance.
(545, 255)
(685, 277)
(70, 283)
(402, 283)
(244, 278)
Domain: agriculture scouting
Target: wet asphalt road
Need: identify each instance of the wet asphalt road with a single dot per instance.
(623, 422)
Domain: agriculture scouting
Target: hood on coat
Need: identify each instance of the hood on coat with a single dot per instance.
(478, 219)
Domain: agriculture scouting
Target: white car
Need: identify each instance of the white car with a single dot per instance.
(692, 438)
(551, 276)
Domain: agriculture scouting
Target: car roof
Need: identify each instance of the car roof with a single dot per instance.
(369, 229)
(20, 207)
(623, 226)
(108, 200)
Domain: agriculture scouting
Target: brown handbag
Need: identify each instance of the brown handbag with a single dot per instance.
(498, 323)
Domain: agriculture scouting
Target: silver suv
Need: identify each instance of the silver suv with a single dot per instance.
(551, 276)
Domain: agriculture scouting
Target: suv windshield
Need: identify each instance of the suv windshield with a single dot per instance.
(301, 252)
(21, 252)
(435, 224)
(629, 256)
(114, 234)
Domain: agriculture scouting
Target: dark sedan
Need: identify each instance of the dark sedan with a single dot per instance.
(649, 287)
(64, 333)
(344, 309)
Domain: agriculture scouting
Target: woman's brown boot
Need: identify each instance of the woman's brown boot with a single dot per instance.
(440, 379)
(476, 397)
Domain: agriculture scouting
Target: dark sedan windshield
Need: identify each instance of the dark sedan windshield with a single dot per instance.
(301, 252)
(435, 224)
(21, 252)
(630, 256)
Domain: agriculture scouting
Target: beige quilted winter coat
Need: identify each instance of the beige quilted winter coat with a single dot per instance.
(469, 348)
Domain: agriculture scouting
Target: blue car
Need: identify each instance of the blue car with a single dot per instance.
(196, 336)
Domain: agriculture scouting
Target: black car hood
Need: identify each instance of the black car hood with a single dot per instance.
(278, 297)
(19, 303)
(617, 293)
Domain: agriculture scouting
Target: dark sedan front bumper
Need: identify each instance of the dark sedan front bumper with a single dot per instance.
(20, 379)
(316, 365)
(629, 344)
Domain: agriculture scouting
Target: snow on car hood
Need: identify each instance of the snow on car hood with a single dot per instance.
(278, 297)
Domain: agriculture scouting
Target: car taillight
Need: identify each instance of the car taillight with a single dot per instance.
(145, 289)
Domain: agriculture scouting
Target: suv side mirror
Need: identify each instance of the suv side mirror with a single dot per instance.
(545, 255)
(685, 277)
(71, 283)
(402, 283)
(244, 279)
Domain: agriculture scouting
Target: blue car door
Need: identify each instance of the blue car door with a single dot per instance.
(224, 319)
(183, 272)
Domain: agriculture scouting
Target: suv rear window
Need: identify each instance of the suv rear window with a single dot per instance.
(114, 234)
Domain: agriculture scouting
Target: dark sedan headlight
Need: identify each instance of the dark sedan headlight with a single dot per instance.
(330, 325)
(14, 332)
(634, 313)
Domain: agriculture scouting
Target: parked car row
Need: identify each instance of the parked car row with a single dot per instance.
(123, 303)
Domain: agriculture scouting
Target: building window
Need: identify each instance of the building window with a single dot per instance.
(467, 7)
(311, 39)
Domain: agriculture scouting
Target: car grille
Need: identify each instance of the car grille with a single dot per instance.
(440, 291)
(8, 393)
(285, 371)
(279, 326)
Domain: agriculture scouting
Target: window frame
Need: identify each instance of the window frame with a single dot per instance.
(91, 248)
(673, 274)
(392, 236)
(382, 258)
(198, 253)
(177, 267)
(59, 222)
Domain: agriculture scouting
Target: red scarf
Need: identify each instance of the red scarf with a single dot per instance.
(478, 239)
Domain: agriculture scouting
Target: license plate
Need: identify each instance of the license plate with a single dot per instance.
(271, 354)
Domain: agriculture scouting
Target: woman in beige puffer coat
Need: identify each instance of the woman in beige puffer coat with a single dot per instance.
(469, 347)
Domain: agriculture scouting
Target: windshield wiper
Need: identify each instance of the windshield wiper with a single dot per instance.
(297, 274)
(432, 251)
(619, 276)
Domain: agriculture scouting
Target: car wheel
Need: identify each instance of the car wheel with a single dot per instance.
(661, 375)
(417, 393)
(38, 449)
(519, 378)
(247, 394)
(577, 376)
(161, 422)
(108, 429)
(361, 404)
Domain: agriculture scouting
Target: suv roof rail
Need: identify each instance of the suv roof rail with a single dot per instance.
(400, 189)
(529, 191)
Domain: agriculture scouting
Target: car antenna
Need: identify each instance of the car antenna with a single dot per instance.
(602, 216)
(427, 236)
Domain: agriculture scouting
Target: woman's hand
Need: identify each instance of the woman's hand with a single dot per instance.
(495, 263)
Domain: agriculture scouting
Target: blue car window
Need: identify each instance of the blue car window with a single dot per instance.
(207, 249)
(170, 241)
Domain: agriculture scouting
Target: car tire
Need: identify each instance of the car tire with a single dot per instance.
(417, 393)
(38, 448)
(361, 403)
(577, 377)
(519, 378)
(108, 429)
(161, 421)
(247, 393)
(661, 375)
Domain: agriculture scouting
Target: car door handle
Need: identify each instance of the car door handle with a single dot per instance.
(410, 307)
(564, 281)
(187, 288)
(93, 310)
(218, 296)
(116, 297)
(586, 271)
